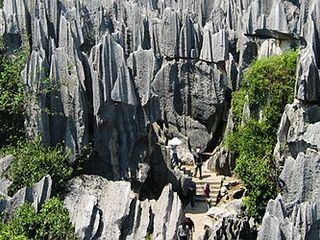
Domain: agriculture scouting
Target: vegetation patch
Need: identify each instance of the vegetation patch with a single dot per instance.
(52, 222)
(12, 95)
(34, 161)
(268, 86)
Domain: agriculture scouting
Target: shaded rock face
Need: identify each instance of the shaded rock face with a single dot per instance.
(102, 209)
(106, 71)
(121, 74)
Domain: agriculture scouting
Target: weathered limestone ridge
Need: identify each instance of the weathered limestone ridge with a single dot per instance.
(114, 212)
(294, 214)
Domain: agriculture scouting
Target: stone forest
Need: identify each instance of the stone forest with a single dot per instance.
(159, 119)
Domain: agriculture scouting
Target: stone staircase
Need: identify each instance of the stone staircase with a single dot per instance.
(215, 183)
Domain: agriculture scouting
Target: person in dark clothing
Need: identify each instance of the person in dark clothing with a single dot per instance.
(188, 221)
(183, 232)
(175, 161)
(198, 163)
(191, 193)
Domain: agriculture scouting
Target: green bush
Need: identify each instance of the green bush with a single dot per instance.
(33, 161)
(52, 222)
(22, 225)
(267, 87)
(12, 96)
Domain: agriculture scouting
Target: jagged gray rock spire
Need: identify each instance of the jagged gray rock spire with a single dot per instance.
(36, 195)
(104, 71)
(294, 214)
(119, 72)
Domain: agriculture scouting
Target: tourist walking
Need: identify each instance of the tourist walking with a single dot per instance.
(197, 163)
(174, 143)
(192, 193)
(188, 221)
(183, 232)
(206, 190)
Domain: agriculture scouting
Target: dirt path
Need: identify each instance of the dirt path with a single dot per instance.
(199, 218)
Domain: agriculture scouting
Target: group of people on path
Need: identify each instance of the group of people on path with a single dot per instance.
(176, 162)
(186, 228)
(197, 160)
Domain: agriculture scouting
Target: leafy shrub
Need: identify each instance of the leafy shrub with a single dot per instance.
(267, 87)
(52, 222)
(33, 161)
(12, 96)
(22, 225)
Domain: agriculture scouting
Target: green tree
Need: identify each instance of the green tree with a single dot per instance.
(52, 222)
(33, 161)
(12, 95)
(268, 86)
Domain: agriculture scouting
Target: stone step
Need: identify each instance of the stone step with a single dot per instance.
(211, 192)
(203, 199)
(209, 181)
(212, 197)
(211, 186)
(216, 191)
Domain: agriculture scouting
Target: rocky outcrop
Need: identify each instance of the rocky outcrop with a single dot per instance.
(127, 74)
(36, 195)
(230, 223)
(4, 165)
(294, 213)
(222, 161)
(102, 209)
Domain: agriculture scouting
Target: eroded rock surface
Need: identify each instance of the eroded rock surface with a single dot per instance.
(4, 165)
(293, 214)
(36, 195)
(102, 209)
(230, 223)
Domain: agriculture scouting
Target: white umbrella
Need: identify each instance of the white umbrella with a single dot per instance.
(174, 141)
